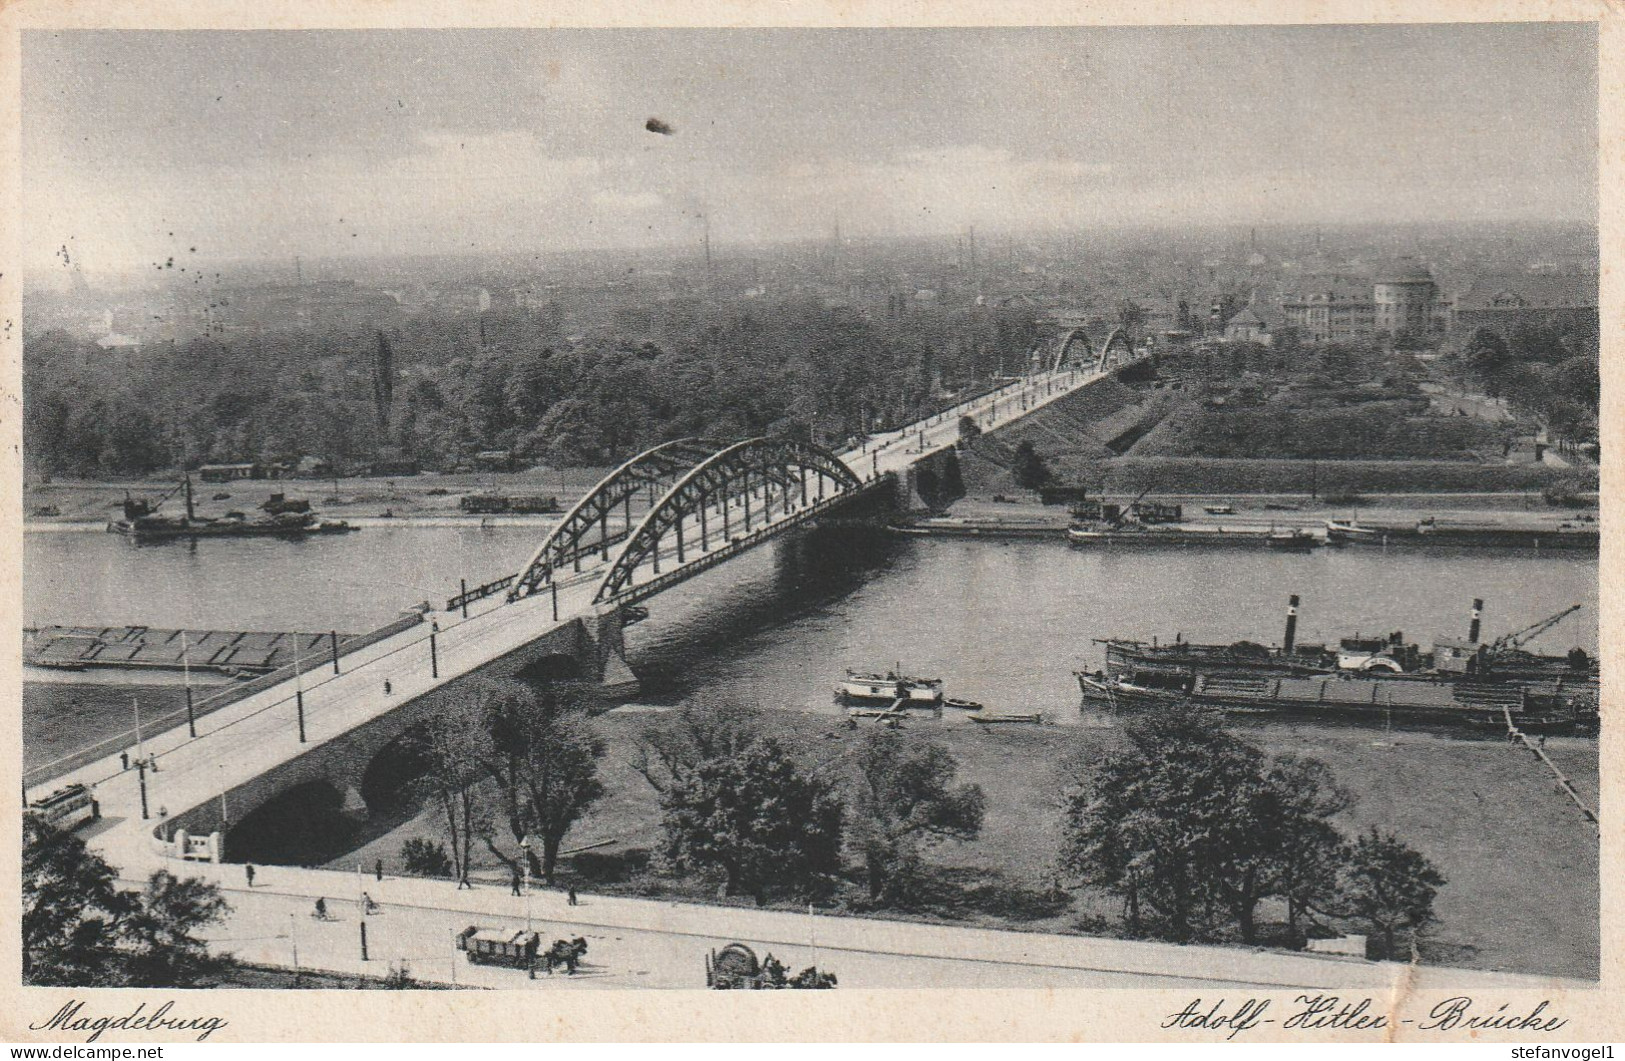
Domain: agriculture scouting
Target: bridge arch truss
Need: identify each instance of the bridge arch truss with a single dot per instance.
(1115, 350)
(728, 499)
(588, 528)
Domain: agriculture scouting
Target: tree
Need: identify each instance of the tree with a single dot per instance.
(1487, 358)
(454, 745)
(904, 796)
(1389, 884)
(756, 818)
(670, 748)
(79, 929)
(71, 909)
(1030, 470)
(159, 934)
(1311, 849)
(426, 858)
(544, 758)
(1189, 821)
(969, 430)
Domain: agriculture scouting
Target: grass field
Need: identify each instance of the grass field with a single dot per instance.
(1522, 864)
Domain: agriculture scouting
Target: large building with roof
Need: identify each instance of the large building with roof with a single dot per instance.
(1331, 309)
(1567, 304)
(1404, 297)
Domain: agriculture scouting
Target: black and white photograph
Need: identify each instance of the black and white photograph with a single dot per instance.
(564, 508)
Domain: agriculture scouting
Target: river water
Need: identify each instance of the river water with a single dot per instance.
(1003, 622)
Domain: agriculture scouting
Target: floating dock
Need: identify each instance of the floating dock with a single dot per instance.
(231, 652)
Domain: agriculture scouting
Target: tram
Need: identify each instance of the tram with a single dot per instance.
(67, 808)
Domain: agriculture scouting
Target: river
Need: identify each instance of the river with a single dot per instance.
(1003, 622)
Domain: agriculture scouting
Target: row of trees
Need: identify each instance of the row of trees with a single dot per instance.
(796, 368)
(1194, 828)
(507, 766)
(1550, 377)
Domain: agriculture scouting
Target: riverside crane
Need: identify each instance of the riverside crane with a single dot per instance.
(1518, 638)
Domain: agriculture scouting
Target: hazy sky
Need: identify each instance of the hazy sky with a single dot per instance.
(253, 144)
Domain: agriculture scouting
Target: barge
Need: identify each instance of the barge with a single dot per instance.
(1533, 708)
(283, 518)
(1569, 534)
(1207, 534)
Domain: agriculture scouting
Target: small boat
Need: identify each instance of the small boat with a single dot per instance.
(986, 718)
(861, 688)
(894, 711)
(963, 705)
(1294, 540)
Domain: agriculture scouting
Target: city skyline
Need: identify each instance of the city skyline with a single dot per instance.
(139, 146)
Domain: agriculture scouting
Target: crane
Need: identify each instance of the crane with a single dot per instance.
(1517, 638)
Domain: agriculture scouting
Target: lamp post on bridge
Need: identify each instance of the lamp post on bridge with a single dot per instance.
(524, 846)
(298, 688)
(186, 672)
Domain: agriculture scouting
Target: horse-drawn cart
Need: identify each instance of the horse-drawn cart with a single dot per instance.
(514, 948)
(736, 968)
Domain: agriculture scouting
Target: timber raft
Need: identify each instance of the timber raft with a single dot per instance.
(231, 652)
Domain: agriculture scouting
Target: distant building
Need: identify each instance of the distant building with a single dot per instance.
(494, 460)
(225, 473)
(1403, 298)
(1252, 323)
(1331, 309)
(1503, 303)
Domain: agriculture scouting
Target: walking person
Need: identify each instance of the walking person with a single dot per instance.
(378, 869)
(516, 890)
(387, 687)
(248, 871)
(124, 759)
(572, 895)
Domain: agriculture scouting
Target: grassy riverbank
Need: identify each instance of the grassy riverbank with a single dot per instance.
(1521, 862)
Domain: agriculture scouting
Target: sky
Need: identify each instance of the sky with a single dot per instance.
(264, 144)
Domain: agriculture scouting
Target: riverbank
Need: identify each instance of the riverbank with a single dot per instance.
(362, 501)
(1522, 864)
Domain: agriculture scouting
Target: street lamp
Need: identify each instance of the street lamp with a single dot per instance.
(524, 845)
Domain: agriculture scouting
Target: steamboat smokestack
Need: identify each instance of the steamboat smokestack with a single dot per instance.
(1472, 628)
(1291, 626)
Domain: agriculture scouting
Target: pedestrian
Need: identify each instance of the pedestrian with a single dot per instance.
(572, 895)
(248, 871)
(378, 869)
(387, 687)
(124, 759)
(516, 890)
(152, 762)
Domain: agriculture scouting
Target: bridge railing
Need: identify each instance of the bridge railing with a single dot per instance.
(469, 596)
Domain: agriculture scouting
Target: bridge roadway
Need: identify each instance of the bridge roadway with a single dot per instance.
(246, 739)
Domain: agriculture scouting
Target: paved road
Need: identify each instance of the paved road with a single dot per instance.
(654, 944)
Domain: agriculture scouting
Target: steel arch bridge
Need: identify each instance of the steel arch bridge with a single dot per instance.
(718, 497)
(1117, 343)
(585, 529)
(808, 479)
